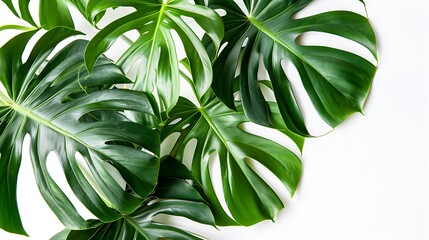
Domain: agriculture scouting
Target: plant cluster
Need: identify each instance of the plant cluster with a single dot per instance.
(77, 103)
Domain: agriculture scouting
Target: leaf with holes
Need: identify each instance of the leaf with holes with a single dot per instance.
(337, 81)
(155, 47)
(67, 111)
(218, 130)
(173, 196)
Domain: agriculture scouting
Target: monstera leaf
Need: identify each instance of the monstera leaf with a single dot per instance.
(218, 131)
(52, 13)
(66, 111)
(155, 47)
(337, 81)
(173, 196)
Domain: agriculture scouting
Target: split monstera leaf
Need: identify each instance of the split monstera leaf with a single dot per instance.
(337, 81)
(173, 196)
(75, 102)
(66, 111)
(155, 47)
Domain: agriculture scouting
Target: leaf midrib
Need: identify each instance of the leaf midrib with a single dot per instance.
(28, 113)
(220, 136)
(4, 99)
(255, 22)
(216, 130)
(135, 225)
(155, 35)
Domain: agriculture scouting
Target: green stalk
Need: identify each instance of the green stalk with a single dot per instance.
(135, 225)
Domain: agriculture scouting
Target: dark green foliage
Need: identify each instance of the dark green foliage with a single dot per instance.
(107, 129)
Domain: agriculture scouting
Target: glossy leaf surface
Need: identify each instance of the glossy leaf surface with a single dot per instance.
(337, 81)
(155, 20)
(52, 13)
(218, 131)
(173, 196)
(107, 140)
(65, 111)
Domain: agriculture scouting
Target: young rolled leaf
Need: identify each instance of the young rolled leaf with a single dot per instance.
(66, 111)
(218, 130)
(173, 196)
(155, 47)
(337, 81)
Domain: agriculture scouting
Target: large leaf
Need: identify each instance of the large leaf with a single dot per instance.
(172, 196)
(52, 13)
(218, 131)
(67, 111)
(337, 81)
(155, 46)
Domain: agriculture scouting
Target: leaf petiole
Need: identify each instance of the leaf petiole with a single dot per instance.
(135, 225)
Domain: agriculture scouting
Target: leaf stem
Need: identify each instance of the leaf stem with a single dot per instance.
(135, 225)
(28, 113)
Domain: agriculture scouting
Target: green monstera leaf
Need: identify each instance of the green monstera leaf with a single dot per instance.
(52, 13)
(66, 111)
(337, 81)
(106, 130)
(172, 196)
(218, 130)
(155, 20)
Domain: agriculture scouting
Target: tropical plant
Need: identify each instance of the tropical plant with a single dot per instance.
(218, 131)
(67, 112)
(52, 13)
(155, 47)
(107, 129)
(173, 195)
(337, 82)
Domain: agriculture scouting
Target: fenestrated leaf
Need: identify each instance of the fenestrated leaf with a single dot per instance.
(173, 196)
(154, 20)
(337, 81)
(218, 130)
(67, 111)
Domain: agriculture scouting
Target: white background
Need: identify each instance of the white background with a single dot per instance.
(369, 179)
